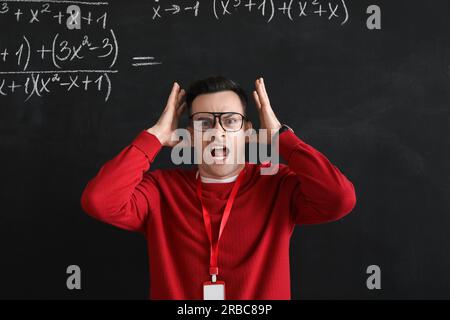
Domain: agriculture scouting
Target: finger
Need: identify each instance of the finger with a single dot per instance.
(257, 102)
(181, 97)
(257, 95)
(258, 106)
(171, 101)
(266, 96)
(181, 101)
(261, 94)
(181, 108)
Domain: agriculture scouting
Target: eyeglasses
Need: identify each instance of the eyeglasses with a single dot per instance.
(229, 121)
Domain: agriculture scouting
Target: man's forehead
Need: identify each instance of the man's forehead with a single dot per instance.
(218, 101)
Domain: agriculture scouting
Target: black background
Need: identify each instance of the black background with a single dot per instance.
(376, 103)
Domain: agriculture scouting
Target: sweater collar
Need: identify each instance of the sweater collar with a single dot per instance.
(211, 180)
(221, 190)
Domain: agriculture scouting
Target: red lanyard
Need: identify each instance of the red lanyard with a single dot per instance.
(214, 247)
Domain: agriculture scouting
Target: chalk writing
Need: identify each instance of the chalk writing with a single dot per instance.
(268, 9)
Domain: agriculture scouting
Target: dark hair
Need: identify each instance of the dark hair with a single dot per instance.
(215, 84)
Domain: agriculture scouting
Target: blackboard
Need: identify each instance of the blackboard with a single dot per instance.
(374, 100)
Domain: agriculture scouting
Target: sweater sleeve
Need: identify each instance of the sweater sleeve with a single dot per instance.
(321, 192)
(121, 194)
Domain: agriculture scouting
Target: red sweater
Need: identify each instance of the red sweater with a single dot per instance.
(254, 247)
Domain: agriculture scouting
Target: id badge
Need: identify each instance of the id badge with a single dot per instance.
(214, 290)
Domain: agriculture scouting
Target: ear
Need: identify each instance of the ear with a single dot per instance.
(191, 131)
(248, 125)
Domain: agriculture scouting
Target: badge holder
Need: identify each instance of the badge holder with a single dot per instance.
(214, 289)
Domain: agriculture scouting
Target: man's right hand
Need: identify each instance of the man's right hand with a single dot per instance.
(168, 121)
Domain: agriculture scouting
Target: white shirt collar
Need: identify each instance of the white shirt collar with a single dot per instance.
(211, 180)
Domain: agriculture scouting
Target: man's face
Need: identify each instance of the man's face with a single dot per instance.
(222, 147)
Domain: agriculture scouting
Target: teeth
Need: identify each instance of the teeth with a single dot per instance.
(219, 151)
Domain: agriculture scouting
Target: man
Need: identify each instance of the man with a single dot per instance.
(183, 212)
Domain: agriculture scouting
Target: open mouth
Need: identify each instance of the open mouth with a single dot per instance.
(220, 152)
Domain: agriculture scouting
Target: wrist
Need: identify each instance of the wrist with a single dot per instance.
(157, 133)
(283, 128)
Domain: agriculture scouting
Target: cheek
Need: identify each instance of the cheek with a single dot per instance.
(236, 142)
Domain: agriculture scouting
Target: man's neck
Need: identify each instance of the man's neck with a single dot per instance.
(208, 178)
(212, 180)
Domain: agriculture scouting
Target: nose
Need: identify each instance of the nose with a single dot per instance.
(218, 130)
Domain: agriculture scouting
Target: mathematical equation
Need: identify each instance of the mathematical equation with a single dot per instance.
(330, 10)
(68, 55)
(40, 83)
(59, 50)
(70, 52)
(38, 11)
(59, 54)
